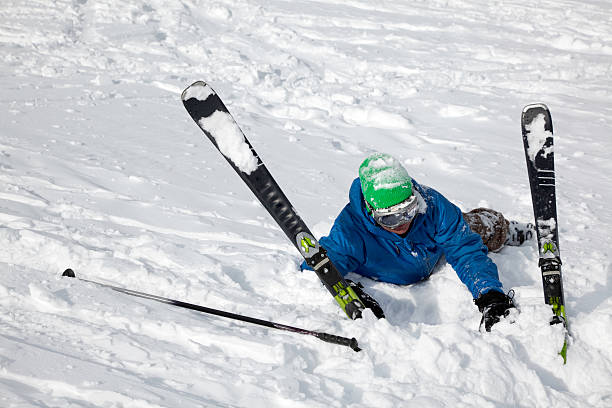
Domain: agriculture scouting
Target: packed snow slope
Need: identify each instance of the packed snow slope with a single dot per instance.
(103, 171)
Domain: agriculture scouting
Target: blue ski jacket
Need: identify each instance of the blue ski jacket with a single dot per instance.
(357, 244)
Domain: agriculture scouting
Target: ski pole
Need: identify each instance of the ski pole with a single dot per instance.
(329, 338)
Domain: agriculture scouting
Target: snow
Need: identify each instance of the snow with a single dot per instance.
(385, 172)
(230, 140)
(198, 91)
(536, 138)
(103, 171)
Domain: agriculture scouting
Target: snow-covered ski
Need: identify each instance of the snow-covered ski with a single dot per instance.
(211, 115)
(537, 130)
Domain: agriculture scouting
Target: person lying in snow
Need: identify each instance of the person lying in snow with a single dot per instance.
(396, 230)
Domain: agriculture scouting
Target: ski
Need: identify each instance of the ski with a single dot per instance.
(537, 130)
(214, 119)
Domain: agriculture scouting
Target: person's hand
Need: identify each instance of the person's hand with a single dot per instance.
(367, 300)
(493, 305)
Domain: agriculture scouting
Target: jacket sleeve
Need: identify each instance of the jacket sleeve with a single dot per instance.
(344, 245)
(464, 249)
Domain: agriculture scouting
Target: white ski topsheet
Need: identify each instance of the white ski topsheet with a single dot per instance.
(102, 170)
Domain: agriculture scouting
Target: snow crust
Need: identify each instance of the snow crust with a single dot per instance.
(230, 140)
(537, 136)
(103, 171)
(198, 91)
(389, 173)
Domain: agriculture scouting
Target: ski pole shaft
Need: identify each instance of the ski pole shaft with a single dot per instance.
(329, 338)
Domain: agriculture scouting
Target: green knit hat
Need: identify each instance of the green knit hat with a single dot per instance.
(384, 181)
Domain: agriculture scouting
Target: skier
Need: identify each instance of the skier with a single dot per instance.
(396, 230)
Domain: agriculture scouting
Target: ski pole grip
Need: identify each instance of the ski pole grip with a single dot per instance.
(342, 341)
(69, 273)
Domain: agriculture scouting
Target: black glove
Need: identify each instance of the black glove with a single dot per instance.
(368, 301)
(493, 306)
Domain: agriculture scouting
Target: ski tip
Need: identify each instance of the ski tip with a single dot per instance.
(535, 106)
(531, 113)
(69, 273)
(199, 90)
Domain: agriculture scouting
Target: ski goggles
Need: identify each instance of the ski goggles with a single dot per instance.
(397, 215)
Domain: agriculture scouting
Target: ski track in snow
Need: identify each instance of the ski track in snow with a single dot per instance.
(102, 170)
